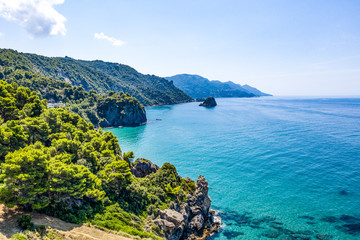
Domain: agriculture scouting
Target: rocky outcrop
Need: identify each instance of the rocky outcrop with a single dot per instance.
(121, 113)
(143, 167)
(191, 220)
(209, 102)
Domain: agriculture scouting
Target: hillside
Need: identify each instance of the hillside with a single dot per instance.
(102, 110)
(62, 230)
(200, 87)
(54, 162)
(98, 75)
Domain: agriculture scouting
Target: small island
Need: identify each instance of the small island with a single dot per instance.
(209, 102)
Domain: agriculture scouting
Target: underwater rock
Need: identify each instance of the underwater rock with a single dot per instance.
(323, 237)
(343, 193)
(307, 217)
(329, 219)
(307, 232)
(271, 234)
(232, 234)
(349, 219)
(286, 237)
(352, 229)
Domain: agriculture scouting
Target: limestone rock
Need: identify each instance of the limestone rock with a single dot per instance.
(142, 167)
(209, 102)
(115, 113)
(191, 219)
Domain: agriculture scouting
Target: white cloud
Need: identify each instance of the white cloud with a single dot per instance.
(1, 34)
(113, 41)
(38, 17)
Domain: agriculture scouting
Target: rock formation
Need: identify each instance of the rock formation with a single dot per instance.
(192, 219)
(116, 113)
(209, 102)
(142, 167)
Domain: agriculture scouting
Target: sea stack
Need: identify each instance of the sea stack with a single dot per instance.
(209, 102)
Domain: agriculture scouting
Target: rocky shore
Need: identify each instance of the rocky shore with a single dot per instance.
(115, 113)
(192, 219)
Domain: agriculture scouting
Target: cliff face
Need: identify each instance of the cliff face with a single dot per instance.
(192, 219)
(118, 113)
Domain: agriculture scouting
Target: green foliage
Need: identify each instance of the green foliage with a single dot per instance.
(129, 156)
(25, 223)
(157, 190)
(24, 177)
(53, 161)
(97, 75)
(91, 106)
(19, 236)
(16, 102)
(116, 176)
(115, 218)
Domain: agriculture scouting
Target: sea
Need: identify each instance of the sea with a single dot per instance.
(278, 167)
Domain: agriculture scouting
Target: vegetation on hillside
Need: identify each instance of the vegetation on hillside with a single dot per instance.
(89, 105)
(55, 162)
(98, 75)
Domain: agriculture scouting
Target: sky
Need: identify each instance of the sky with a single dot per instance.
(282, 47)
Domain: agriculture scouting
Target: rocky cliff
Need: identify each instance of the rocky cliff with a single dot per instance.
(116, 113)
(192, 219)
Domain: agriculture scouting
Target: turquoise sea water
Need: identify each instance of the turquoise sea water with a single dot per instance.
(287, 168)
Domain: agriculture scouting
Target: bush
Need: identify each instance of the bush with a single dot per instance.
(25, 223)
(19, 236)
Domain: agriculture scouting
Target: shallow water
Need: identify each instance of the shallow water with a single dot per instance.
(277, 167)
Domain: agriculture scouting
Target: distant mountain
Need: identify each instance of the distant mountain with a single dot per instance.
(98, 75)
(255, 91)
(200, 87)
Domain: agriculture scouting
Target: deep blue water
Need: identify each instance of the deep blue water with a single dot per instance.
(292, 161)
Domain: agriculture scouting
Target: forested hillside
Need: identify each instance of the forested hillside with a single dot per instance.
(98, 75)
(104, 110)
(55, 162)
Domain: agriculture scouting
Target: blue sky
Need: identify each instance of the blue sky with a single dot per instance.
(283, 47)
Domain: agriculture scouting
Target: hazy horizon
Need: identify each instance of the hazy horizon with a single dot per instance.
(302, 48)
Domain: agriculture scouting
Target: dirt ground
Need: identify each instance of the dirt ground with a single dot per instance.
(8, 226)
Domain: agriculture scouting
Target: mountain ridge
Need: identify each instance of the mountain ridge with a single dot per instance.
(199, 87)
(98, 75)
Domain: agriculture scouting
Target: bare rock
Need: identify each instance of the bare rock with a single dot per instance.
(209, 102)
(142, 167)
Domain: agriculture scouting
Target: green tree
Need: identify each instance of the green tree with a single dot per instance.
(129, 156)
(116, 176)
(24, 176)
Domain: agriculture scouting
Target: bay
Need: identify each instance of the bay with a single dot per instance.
(277, 167)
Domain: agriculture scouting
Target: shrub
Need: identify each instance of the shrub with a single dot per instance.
(25, 223)
(19, 236)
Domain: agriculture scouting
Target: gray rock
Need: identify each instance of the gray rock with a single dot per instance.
(189, 220)
(209, 102)
(142, 167)
(115, 113)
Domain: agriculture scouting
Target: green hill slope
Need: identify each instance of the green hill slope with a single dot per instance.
(104, 110)
(98, 75)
